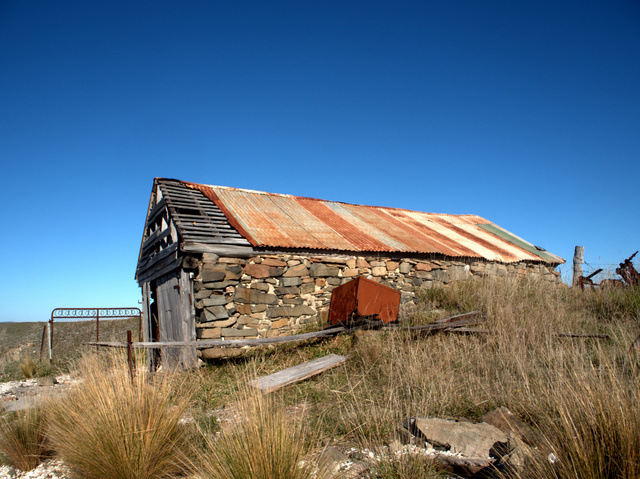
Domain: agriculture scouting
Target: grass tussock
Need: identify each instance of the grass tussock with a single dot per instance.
(29, 368)
(109, 427)
(614, 303)
(263, 442)
(591, 422)
(581, 394)
(23, 443)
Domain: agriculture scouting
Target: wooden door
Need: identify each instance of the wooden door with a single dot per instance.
(176, 319)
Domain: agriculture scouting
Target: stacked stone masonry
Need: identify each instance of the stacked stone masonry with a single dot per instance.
(271, 295)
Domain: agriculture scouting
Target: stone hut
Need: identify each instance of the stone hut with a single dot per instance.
(228, 263)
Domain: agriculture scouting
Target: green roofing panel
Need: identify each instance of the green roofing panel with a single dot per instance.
(505, 235)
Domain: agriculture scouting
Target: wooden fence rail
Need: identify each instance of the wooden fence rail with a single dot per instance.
(223, 343)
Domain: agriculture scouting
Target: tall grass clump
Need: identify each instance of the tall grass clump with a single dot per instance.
(263, 443)
(28, 367)
(614, 303)
(110, 427)
(591, 420)
(23, 443)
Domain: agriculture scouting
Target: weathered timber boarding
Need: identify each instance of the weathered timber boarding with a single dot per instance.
(220, 263)
(298, 373)
(176, 321)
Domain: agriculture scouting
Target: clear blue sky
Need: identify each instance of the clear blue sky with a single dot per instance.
(525, 113)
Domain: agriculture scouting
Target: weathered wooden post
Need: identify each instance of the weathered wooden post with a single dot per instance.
(578, 260)
(44, 336)
(129, 358)
(51, 338)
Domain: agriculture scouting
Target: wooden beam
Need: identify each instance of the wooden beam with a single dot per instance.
(220, 249)
(213, 238)
(458, 317)
(159, 207)
(470, 331)
(428, 328)
(200, 224)
(158, 269)
(298, 373)
(225, 343)
(147, 261)
(593, 274)
(154, 238)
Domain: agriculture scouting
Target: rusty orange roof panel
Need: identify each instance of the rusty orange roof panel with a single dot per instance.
(285, 221)
(354, 239)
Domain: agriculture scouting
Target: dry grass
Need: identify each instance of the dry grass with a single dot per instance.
(591, 421)
(581, 394)
(22, 438)
(28, 368)
(264, 442)
(109, 427)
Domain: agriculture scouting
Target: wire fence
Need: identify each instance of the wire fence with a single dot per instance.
(607, 271)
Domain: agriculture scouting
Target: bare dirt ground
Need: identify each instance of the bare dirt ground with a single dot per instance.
(17, 395)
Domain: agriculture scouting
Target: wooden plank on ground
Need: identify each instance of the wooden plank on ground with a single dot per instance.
(298, 373)
(470, 331)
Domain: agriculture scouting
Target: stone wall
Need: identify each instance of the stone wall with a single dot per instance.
(269, 295)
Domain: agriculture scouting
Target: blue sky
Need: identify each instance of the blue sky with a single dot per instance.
(525, 113)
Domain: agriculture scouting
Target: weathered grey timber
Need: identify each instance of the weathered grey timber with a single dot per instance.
(457, 317)
(183, 216)
(176, 319)
(224, 343)
(578, 259)
(298, 373)
(433, 327)
(446, 324)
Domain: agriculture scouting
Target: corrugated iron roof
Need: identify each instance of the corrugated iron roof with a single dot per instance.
(285, 221)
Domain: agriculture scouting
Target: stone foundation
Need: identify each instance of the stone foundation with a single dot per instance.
(270, 295)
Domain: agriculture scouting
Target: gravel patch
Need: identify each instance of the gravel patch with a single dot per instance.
(51, 469)
(17, 395)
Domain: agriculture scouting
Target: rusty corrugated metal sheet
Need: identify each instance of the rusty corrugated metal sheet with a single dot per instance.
(284, 221)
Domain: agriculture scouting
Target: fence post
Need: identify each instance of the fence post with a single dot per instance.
(578, 259)
(51, 338)
(129, 358)
(44, 335)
